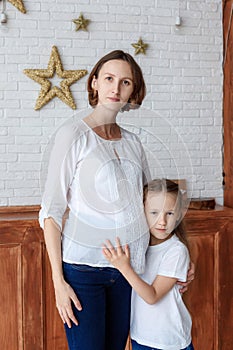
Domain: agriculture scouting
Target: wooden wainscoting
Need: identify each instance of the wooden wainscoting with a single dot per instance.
(28, 317)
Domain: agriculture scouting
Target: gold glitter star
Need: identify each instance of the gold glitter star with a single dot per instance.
(140, 47)
(41, 76)
(18, 4)
(81, 23)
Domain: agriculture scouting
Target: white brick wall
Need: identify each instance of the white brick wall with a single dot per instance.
(181, 118)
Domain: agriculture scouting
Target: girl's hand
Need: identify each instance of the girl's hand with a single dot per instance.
(190, 278)
(65, 295)
(118, 257)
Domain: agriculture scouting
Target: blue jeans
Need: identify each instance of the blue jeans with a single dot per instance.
(136, 346)
(105, 317)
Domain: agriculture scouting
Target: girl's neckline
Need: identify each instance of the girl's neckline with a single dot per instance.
(163, 244)
(102, 138)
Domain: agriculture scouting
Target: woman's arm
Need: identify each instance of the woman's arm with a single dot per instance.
(63, 292)
(150, 293)
(190, 278)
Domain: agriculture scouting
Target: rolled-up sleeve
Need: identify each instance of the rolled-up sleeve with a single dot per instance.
(61, 170)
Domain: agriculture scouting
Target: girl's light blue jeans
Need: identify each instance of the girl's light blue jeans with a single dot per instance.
(136, 346)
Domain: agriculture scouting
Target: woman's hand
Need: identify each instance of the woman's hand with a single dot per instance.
(190, 278)
(118, 257)
(65, 295)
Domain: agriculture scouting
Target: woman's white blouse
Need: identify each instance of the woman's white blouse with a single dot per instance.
(101, 183)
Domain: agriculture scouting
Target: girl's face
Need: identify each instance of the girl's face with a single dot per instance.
(161, 210)
(114, 84)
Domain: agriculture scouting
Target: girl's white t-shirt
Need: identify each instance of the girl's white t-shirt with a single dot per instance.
(101, 182)
(166, 324)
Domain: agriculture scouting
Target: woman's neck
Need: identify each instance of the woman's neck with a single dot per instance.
(104, 124)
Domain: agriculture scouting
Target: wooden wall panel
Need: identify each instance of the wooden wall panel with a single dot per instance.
(32, 265)
(29, 319)
(225, 307)
(21, 278)
(11, 297)
(228, 101)
(200, 296)
(55, 334)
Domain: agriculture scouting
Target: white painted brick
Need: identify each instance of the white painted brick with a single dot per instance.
(6, 193)
(209, 48)
(167, 4)
(45, 33)
(2, 148)
(24, 166)
(199, 121)
(5, 157)
(160, 96)
(202, 6)
(146, 3)
(28, 140)
(196, 72)
(122, 10)
(30, 157)
(184, 47)
(32, 6)
(24, 199)
(26, 192)
(124, 27)
(182, 70)
(166, 71)
(15, 33)
(31, 149)
(13, 184)
(3, 202)
(125, 18)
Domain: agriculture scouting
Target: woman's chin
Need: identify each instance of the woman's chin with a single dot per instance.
(113, 106)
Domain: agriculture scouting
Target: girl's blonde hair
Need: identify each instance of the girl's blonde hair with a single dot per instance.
(169, 186)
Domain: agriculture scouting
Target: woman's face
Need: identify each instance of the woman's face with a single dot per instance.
(114, 84)
(161, 210)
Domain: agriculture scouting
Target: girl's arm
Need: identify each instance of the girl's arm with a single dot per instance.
(150, 293)
(63, 292)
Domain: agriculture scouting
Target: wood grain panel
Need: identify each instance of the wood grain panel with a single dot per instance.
(29, 319)
(11, 297)
(32, 265)
(200, 298)
(228, 101)
(55, 334)
(225, 302)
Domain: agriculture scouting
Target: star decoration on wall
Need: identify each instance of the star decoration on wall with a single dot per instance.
(42, 76)
(81, 23)
(18, 4)
(140, 47)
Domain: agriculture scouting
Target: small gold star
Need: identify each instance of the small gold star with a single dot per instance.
(81, 23)
(140, 47)
(41, 76)
(18, 4)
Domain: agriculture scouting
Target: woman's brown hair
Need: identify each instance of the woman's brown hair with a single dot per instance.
(168, 186)
(139, 91)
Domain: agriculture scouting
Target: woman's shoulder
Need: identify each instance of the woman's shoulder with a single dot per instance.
(131, 134)
(72, 127)
(71, 131)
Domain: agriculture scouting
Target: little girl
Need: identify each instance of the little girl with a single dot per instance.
(159, 318)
